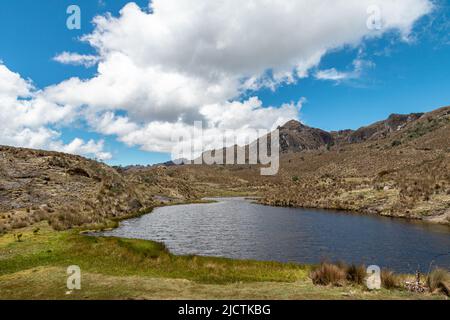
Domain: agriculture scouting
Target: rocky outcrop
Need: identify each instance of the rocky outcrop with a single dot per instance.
(382, 129)
(64, 189)
(296, 137)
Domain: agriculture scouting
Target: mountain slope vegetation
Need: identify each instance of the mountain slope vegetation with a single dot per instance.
(397, 167)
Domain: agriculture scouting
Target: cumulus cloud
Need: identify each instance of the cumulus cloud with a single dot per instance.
(241, 117)
(165, 63)
(184, 60)
(79, 146)
(26, 118)
(76, 59)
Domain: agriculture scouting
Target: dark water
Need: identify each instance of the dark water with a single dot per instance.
(237, 228)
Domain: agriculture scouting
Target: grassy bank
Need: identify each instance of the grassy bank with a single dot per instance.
(35, 268)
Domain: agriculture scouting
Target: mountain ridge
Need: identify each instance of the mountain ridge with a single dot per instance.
(397, 167)
(315, 138)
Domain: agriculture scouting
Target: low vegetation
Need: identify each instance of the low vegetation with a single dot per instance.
(389, 279)
(356, 274)
(399, 167)
(439, 281)
(341, 274)
(328, 274)
(35, 268)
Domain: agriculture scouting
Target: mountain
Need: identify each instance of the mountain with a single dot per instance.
(398, 167)
(296, 137)
(395, 122)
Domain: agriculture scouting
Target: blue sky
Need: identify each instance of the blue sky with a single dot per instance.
(38, 28)
(402, 77)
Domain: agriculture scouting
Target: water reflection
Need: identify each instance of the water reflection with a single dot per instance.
(237, 228)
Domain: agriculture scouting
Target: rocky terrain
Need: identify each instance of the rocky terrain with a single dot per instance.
(397, 167)
(66, 190)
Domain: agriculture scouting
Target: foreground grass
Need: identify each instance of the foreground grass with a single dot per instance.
(112, 268)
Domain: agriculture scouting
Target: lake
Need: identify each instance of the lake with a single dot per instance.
(240, 229)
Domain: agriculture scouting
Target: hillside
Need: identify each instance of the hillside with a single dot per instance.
(397, 167)
(64, 189)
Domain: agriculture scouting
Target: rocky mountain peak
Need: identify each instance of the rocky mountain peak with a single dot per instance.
(293, 125)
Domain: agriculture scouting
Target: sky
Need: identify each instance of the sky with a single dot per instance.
(134, 74)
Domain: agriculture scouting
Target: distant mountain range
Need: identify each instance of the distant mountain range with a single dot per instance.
(296, 137)
(396, 167)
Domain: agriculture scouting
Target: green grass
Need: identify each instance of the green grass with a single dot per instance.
(114, 268)
(49, 283)
(124, 257)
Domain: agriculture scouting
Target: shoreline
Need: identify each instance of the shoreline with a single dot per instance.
(154, 272)
(118, 268)
(367, 211)
(208, 200)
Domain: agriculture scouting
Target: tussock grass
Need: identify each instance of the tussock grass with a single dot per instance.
(389, 280)
(3, 227)
(356, 274)
(338, 274)
(328, 274)
(439, 280)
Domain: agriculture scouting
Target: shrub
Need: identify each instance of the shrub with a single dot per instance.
(17, 224)
(327, 274)
(40, 215)
(2, 227)
(56, 224)
(389, 279)
(437, 279)
(356, 274)
(396, 143)
(18, 237)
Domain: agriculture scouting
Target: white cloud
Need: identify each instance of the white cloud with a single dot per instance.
(76, 59)
(359, 67)
(332, 74)
(187, 60)
(12, 85)
(26, 118)
(188, 53)
(91, 148)
(242, 117)
(250, 113)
